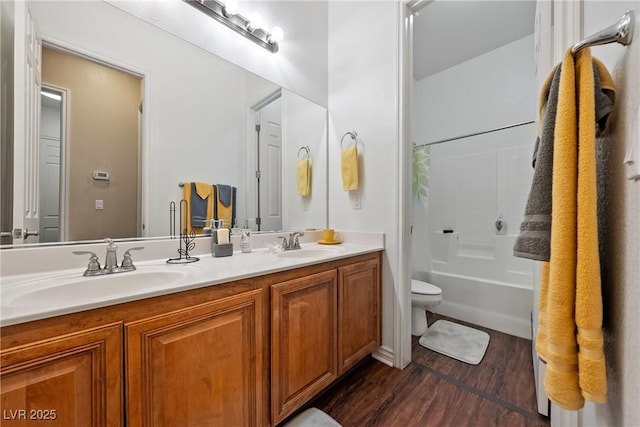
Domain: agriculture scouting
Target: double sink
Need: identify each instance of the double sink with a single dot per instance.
(66, 288)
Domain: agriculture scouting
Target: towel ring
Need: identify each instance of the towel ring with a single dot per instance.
(307, 149)
(352, 134)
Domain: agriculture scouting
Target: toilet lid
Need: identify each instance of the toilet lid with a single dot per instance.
(424, 288)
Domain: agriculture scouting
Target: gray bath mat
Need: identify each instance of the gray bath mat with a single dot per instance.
(457, 341)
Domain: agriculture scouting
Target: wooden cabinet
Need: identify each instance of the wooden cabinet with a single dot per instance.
(303, 340)
(72, 380)
(195, 358)
(359, 325)
(200, 366)
(321, 325)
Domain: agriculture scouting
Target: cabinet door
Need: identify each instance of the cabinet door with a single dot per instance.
(200, 366)
(358, 312)
(303, 340)
(69, 381)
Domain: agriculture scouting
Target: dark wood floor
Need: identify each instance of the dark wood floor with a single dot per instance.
(435, 390)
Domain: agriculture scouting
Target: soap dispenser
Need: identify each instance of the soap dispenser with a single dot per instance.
(245, 238)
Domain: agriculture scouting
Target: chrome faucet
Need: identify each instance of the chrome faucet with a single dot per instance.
(294, 243)
(110, 262)
(291, 243)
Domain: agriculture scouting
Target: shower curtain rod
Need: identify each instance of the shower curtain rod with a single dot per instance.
(473, 134)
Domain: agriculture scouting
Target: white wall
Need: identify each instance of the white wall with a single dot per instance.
(304, 125)
(484, 93)
(301, 62)
(363, 97)
(621, 265)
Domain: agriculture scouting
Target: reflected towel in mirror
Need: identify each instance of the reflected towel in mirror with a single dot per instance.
(225, 206)
(199, 197)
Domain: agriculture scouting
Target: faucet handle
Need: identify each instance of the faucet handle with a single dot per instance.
(127, 262)
(94, 264)
(285, 244)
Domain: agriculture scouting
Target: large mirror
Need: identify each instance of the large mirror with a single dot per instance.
(129, 112)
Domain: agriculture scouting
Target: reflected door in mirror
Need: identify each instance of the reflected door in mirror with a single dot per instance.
(103, 110)
(270, 166)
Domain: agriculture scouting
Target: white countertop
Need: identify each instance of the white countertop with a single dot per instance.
(33, 296)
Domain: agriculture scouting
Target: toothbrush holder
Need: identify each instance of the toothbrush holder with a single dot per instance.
(220, 249)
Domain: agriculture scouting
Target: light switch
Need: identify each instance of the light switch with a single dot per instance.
(355, 199)
(99, 205)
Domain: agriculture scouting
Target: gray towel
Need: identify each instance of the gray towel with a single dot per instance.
(198, 208)
(534, 241)
(224, 194)
(535, 231)
(604, 103)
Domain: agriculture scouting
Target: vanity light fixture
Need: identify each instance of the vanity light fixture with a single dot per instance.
(251, 28)
(230, 8)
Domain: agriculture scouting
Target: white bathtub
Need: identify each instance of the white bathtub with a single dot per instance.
(496, 305)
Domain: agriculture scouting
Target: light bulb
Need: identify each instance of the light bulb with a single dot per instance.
(231, 7)
(255, 20)
(276, 35)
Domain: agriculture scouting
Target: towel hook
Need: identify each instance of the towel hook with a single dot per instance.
(307, 149)
(352, 134)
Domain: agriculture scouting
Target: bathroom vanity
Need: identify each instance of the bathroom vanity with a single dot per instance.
(250, 350)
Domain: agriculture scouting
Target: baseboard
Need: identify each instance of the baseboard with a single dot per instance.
(488, 319)
(385, 355)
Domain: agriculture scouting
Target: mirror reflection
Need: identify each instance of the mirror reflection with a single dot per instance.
(138, 112)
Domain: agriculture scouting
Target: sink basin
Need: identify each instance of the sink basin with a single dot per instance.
(61, 290)
(309, 253)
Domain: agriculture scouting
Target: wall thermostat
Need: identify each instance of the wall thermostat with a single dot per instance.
(101, 175)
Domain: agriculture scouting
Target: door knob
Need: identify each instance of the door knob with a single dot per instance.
(18, 233)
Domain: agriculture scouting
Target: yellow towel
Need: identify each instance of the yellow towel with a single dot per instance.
(350, 169)
(570, 317)
(561, 352)
(591, 362)
(304, 177)
(203, 191)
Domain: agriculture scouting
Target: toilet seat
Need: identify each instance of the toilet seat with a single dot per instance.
(424, 288)
(423, 296)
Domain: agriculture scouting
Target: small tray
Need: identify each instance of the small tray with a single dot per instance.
(220, 250)
(329, 242)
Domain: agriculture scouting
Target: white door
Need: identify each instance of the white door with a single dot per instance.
(50, 139)
(27, 70)
(270, 166)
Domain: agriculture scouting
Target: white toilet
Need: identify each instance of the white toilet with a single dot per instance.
(423, 295)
